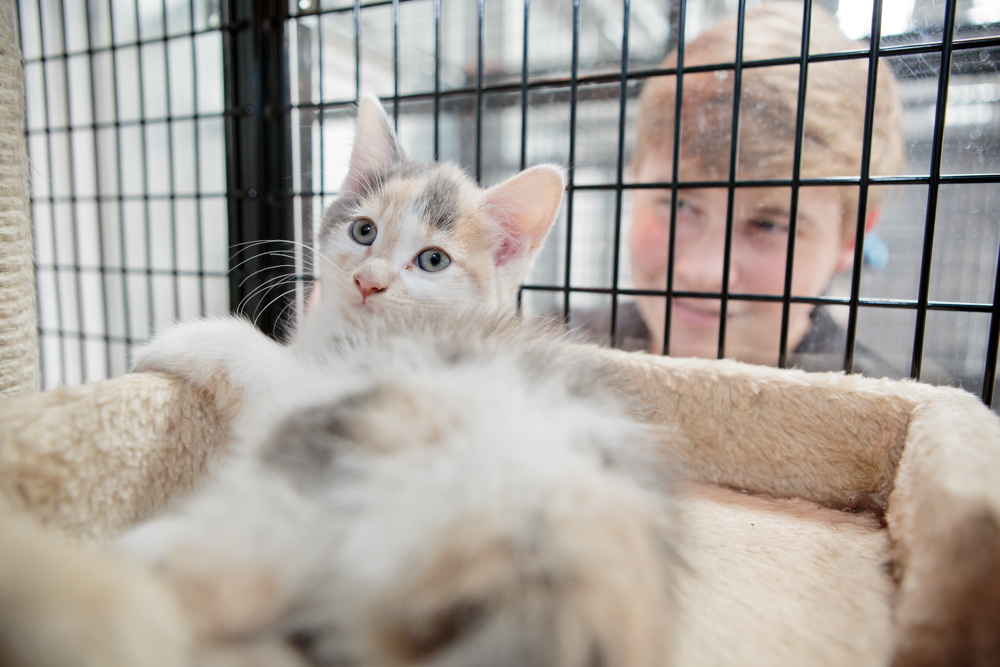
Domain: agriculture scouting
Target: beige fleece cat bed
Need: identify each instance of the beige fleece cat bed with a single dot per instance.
(777, 573)
(771, 581)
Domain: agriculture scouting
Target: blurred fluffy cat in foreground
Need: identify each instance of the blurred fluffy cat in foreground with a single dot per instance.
(432, 492)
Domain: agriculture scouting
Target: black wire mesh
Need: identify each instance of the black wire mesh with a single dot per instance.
(123, 127)
(497, 86)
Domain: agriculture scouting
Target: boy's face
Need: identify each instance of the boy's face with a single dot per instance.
(757, 263)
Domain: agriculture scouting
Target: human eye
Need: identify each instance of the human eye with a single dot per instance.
(769, 226)
(665, 201)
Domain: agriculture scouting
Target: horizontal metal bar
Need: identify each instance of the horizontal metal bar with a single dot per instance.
(79, 335)
(71, 268)
(761, 183)
(345, 10)
(98, 199)
(786, 182)
(111, 125)
(128, 45)
(903, 304)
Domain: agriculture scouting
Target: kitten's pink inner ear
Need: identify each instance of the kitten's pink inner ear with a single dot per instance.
(375, 143)
(314, 297)
(524, 209)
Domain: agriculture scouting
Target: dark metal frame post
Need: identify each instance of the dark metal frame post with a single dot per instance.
(259, 159)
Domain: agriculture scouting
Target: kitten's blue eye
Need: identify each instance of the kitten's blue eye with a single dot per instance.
(433, 259)
(364, 231)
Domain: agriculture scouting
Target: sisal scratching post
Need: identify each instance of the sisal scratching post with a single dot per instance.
(18, 315)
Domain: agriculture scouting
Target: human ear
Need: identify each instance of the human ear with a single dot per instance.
(846, 259)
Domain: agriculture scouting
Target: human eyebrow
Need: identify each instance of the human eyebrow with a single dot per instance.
(785, 213)
(775, 211)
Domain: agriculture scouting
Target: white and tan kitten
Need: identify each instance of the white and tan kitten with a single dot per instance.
(401, 235)
(406, 233)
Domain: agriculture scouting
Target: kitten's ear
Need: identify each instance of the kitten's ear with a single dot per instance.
(375, 143)
(523, 209)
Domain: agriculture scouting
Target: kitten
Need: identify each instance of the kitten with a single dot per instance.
(404, 232)
(432, 492)
(401, 234)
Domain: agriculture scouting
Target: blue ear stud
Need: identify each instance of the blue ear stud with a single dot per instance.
(876, 251)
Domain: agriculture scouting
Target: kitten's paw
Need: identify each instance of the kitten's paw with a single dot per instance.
(226, 357)
(63, 606)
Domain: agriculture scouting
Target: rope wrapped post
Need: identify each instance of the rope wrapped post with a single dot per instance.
(19, 372)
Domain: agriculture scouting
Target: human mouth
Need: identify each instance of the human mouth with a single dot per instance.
(695, 314)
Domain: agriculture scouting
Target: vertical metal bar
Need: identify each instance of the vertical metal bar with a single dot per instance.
(100, 210)
(990, 373)
(675, 174)
(793, 209)
(948, 35)
(145, 172)
(197, 164)
(126, 315)
(570, 189)
(524, 113)
(321, 112)
(620, 172)
(307, 121)
(866, 149)
(357, 50)
(238, 82)
(524, 94)
(170, 165)
(480, 16)
(437, 80)
(84, 375)
(55, 236)
(322, 109)
(395, 64)
(731, 187)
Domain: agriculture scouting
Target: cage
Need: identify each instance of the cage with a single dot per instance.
(183, 151)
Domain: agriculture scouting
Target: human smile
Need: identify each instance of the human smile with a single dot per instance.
(695, 313)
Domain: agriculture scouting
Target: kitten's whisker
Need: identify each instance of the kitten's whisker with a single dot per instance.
(270, 253)
(286, 322)
(307, 263)
(264, 288)
(268, 284)
(273, 282)
(250, 244)
(269, 268)
(242, 247)
(268, 305)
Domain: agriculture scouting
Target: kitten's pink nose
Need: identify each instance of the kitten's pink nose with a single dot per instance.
(368, 285)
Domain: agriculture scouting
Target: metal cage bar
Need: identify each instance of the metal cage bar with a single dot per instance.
(261, 199)
(932, 193)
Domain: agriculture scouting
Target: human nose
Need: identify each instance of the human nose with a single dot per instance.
(699, 261)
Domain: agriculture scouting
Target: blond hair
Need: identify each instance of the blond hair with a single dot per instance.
(833, 132)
